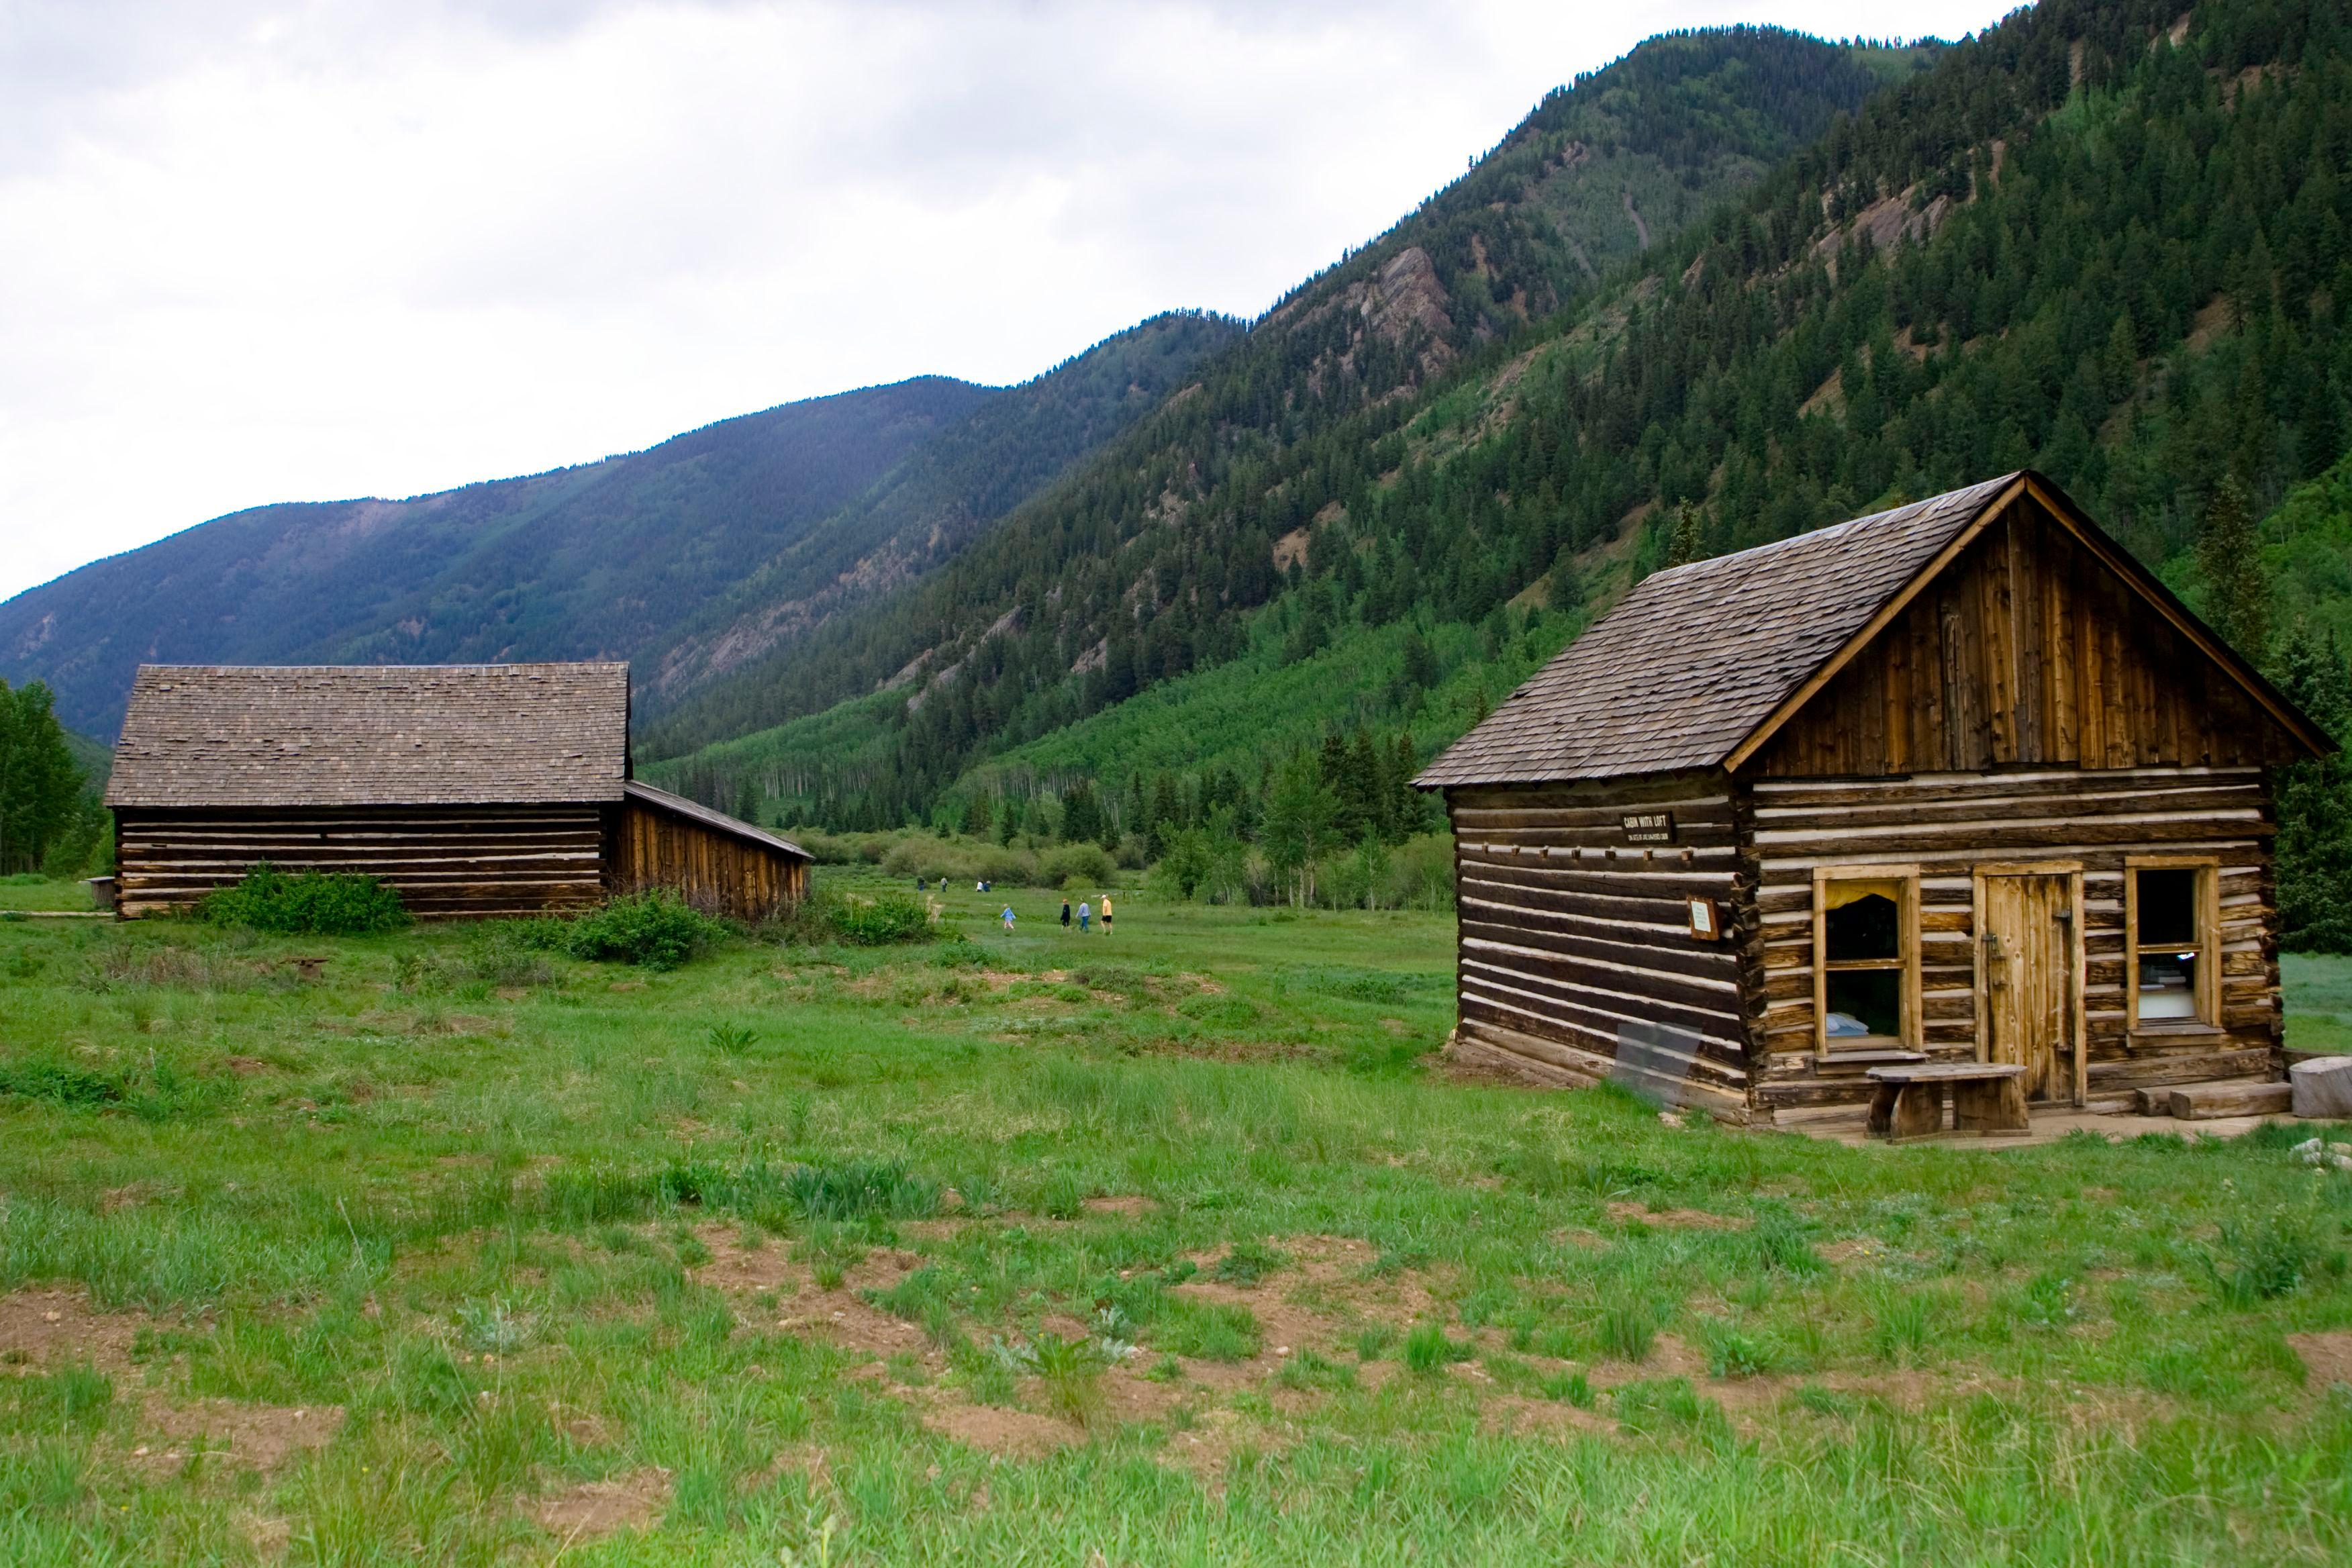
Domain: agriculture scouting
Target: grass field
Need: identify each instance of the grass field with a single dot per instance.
(1164, 1248)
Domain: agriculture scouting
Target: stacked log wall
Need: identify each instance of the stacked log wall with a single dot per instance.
(1950, 823)
(446, 861)
(719, 873)
(1569, 933)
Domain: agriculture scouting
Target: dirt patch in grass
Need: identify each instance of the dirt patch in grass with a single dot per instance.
(53, 1328)
(1626, 1211)
(261, 1435)
(1856, 1251)
(734, 1267)
(1132, 1206)
(633, 1502)
(2326, 1358)
(1011, 1433)
(805, 1459)
(1516, 1416)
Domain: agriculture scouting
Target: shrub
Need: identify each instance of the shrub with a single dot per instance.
(312, 903)
(880, 920)
(1088, 864)
(652, 929)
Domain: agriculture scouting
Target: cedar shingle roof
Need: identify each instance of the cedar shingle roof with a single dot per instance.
(377, 734)
(719, 821)
(1696, 657)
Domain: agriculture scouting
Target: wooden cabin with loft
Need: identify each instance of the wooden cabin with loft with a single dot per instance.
(1957, 791)
(475, 789)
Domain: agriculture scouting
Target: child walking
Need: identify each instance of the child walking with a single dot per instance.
(1084, 915)
(1008, 920)
(1106, 914)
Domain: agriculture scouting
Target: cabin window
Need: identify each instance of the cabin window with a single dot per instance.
(1865, 969)
(2171, 917)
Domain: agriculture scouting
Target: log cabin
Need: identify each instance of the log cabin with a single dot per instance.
(1959, 782)
(475, 789)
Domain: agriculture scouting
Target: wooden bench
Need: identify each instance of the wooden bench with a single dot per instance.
(1987, 1098)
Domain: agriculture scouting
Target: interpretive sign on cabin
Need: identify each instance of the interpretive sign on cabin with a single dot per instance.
(1649, 827)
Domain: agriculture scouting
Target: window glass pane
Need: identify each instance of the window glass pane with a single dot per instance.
(1866, 928)
(1863, 1002)
(2167, 944)
(2167, 908)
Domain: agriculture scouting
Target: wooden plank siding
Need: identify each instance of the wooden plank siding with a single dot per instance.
(446, 861)
(718, 872)
(1568, 934)
(1950, 826)
(2027, 651)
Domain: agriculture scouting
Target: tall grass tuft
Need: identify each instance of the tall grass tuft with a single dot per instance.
(2260, 1257)
(1628, 1330)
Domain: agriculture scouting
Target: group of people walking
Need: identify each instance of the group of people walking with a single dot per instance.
(1085, 917)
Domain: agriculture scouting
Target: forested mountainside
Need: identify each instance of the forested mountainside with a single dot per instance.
(1620, 161)
(617, 558)
(935, 502)
(2106, 240)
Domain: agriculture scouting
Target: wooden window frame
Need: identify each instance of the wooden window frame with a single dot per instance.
(2208, 944)
(1906, 959)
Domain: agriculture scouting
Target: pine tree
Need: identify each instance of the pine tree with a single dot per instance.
(1682, 546)
(39, 785)
(1419, 667)
(2237, 590)
(2313, 845)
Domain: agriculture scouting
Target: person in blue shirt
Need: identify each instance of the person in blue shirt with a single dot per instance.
(1008, 920)
(1084, 915)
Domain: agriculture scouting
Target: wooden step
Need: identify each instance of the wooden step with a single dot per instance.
(2232, 1097)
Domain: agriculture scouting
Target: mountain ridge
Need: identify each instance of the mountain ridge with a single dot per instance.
(609, 558)
(2101, 240)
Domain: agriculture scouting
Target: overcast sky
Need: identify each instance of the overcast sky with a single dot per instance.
(256, 251)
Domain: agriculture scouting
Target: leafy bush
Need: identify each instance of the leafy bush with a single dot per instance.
(1088, 864)
(880, 920)
(312, 903)
(653, 929)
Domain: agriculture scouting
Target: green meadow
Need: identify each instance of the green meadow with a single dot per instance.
(1171, 1246)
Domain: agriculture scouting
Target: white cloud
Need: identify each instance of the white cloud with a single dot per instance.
(267, 250)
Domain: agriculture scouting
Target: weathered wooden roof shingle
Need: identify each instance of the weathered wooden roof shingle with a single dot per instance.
(211, 735)
(1697, 656)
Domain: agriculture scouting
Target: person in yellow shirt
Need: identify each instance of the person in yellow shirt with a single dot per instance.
(1106, 914)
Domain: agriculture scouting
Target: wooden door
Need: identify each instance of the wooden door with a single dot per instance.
(2029, 971)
